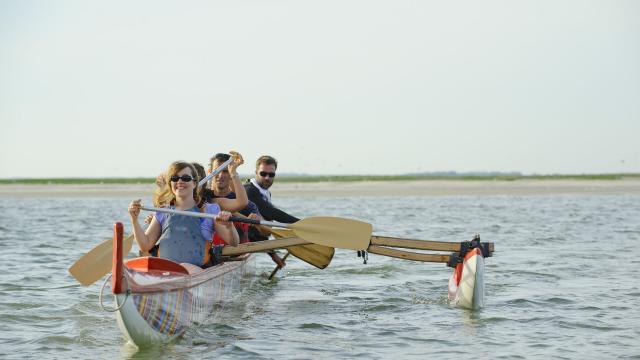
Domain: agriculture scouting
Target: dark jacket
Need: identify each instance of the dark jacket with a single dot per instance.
(267, 210)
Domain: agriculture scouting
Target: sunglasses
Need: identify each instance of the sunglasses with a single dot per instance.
(185, 178)
(264, 174)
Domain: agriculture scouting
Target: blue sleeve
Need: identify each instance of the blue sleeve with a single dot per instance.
(207, 225)
(160, 218)
(212, 208)
(251, 208)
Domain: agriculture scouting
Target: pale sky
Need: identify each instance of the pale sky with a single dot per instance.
(123, 88)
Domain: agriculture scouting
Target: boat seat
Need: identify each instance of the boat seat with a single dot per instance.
(152, 264)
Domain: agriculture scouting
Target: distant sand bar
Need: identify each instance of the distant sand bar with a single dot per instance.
(355, 188)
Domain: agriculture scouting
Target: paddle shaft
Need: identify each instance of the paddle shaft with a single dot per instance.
(216, 171)
(321, 230)
(273, 273)
(211, 216)
(375, 240)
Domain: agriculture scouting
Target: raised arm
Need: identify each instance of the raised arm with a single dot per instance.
(241, 200)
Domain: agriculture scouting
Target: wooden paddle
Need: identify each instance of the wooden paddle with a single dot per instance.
(273, 273)
(317, 255)
(321, 230)
(95, 264)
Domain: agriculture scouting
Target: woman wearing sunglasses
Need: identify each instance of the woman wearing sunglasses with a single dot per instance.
(183, 239)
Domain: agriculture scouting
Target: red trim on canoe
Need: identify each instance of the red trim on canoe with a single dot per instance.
(457, 272)
(116, 267)
(473, 252)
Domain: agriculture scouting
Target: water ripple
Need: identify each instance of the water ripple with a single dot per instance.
(555, 287)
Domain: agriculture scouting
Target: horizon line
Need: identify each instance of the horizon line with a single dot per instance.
(443, 174)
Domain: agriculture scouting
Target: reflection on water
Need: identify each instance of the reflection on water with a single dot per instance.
(555, 287)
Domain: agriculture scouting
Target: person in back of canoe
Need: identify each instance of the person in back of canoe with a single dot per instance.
(160, 183)
(222, 187)
(183, 239)
(199, 170)
(258, 192)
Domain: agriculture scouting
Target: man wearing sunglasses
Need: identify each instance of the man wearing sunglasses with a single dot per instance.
(258, 193)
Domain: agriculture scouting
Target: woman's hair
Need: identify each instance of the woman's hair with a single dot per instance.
(199, 170)
(201, 175)
(164, 195)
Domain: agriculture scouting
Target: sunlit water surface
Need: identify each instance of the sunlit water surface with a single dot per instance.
(562, 283)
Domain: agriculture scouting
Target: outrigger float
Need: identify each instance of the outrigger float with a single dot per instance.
(156, 299)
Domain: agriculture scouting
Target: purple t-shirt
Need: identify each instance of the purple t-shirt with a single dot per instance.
(206, 224)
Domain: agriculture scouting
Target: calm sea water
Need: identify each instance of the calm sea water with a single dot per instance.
(561, 284)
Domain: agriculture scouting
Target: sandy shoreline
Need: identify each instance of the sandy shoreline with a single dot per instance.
(359, 188)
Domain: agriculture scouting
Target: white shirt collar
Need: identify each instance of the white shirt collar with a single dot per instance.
(266, 194)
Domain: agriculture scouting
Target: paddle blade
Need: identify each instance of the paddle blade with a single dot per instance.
(317, 255)
(334, 232)
(281, 233)
(95, 264)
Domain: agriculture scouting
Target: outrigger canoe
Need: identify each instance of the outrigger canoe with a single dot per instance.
(156, 299)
